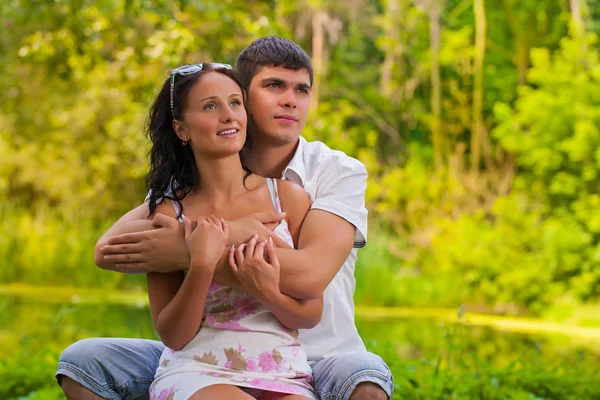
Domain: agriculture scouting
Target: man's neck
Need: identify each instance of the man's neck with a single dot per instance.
(268, 160)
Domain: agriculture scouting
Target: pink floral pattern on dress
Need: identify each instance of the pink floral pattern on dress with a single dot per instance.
(268, 363)
(275, 386)
(283, 231)
(165, 394)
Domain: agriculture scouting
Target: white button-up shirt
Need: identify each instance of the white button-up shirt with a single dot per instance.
(335, 183)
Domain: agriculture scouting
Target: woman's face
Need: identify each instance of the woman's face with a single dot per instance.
(214, 120)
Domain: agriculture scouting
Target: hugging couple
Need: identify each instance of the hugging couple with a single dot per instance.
(248, 237)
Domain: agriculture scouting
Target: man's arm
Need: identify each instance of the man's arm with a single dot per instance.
(336, 222)
(134, 220)
(136, 244)
(257, 267)
(163, 249)
(325, 243)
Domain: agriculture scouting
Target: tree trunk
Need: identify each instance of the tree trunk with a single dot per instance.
(478, 133)
(392, 33)
(576, 17)
(318, 44)
(436, 98)
(522, 43)
(579, 12)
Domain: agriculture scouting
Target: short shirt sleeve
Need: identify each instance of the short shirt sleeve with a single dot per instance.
(341, 189)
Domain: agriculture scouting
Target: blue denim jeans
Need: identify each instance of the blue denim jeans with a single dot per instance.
(124, 369)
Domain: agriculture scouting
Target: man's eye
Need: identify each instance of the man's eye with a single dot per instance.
(275, 85)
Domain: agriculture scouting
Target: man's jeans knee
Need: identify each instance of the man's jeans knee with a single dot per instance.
(112, 368)
(336, 377)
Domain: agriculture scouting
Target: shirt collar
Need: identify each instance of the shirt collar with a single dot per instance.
(296, 165)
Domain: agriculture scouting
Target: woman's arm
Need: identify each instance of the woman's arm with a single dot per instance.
(177, 302)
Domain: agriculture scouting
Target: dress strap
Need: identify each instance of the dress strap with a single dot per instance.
(177, 210)
(274, 193)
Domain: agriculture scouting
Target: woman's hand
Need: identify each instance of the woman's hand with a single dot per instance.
(206, 242)
(256, 267)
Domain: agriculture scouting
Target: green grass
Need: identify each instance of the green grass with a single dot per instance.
(31, 376)
(461, 364)
(429, 358)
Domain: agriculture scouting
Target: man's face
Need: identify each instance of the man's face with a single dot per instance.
(279, 100)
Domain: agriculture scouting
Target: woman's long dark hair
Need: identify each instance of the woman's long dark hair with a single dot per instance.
(173, 173)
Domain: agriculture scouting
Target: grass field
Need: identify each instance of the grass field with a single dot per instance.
(433, 354)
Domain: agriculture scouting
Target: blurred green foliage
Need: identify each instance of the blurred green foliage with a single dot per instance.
(514, 230)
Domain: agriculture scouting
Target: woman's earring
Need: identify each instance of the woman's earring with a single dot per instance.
(184, 141)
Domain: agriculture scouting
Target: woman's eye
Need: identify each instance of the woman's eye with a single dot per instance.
(210, 106)
(236, 103)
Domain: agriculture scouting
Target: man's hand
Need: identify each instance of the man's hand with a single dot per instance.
(162, 249)
(242, 229)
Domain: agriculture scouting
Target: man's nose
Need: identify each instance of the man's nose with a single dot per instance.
(288, 99)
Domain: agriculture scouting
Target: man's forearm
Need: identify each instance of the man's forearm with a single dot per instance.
(306, 272)
(224, 274)
(293, 313)
(117, 229)
(302, 277)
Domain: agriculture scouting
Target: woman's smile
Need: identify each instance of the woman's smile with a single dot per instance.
(228, 133)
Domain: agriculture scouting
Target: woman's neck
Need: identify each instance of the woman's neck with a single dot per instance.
(221, 179)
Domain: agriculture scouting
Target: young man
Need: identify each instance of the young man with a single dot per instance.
(279, 76)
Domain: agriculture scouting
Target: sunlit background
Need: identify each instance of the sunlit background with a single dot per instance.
(479, 123)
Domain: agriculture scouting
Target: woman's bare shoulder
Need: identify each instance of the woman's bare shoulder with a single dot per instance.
(165, 208)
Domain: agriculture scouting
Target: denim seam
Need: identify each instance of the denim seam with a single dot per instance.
(78, 372)
(126, 387)
(368, 373)
(136, 380)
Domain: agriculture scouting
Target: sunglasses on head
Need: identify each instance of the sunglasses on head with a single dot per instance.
(188, 70)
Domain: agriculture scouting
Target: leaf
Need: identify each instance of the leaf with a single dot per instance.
(207, 358)
(277, 357)
(238, 362)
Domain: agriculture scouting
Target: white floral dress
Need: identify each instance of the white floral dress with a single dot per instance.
(240, 343)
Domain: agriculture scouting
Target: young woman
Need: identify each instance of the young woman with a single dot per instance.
(222, 343)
